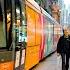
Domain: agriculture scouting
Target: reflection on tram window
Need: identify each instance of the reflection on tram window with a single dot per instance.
(8, 21)
(9, 30)
(20, 25)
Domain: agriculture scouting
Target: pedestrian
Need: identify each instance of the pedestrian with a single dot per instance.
(69, 37)
(63, 49)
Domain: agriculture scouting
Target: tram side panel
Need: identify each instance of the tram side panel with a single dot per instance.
(6, 62)
(33, 38)
(46, 34)
(38, 34)
(30, 38)
(49, 38)
(38, 28)
(41, 54)
(52, 34)
(56, 36)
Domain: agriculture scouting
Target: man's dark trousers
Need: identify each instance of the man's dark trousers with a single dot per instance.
(65, 61)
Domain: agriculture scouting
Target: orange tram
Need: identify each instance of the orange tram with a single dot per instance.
(27, 34)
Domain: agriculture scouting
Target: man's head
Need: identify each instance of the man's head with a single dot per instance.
(65, 31)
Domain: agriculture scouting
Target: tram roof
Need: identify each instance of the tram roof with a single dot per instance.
(49, 17)
(33, 5)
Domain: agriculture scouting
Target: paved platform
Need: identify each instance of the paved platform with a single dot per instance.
(50, 63)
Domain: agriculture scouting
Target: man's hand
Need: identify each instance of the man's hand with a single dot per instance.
(58, 54)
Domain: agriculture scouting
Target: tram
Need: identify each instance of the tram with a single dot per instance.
(27, 34)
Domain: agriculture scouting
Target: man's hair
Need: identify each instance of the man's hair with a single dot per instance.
(63, 31)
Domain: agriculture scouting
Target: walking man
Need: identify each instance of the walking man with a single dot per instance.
(63, 48)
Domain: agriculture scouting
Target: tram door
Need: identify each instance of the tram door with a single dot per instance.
(12, 35)
(21, 37)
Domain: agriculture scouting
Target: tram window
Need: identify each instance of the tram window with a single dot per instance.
(2, 31)
(6, 24)
(20, 24)
(7, 20)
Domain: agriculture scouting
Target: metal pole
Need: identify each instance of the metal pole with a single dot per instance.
(13, 31)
